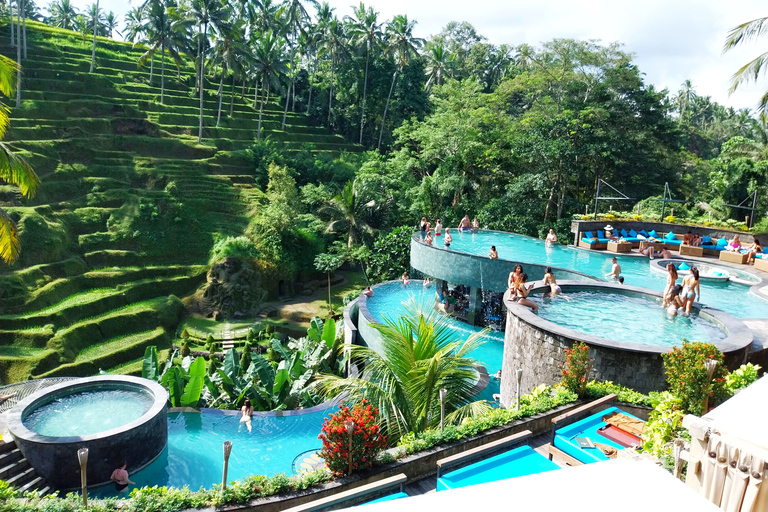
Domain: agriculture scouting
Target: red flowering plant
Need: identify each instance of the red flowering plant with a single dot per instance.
(576, 369)
(367, 439)
(688, 377)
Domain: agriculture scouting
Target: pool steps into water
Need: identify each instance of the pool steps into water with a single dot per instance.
(15, 470)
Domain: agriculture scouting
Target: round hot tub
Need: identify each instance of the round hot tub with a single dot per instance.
(624, 326)
(118, 418)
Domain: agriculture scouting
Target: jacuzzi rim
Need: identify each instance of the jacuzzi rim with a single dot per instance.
(416, 238)
(658, 264)
(738, 337)
(18, 430)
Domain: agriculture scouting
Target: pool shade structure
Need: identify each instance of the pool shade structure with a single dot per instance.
(57, 459)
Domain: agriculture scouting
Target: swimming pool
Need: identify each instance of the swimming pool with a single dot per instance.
(626, 317)
(730, 297)
(387, 300)
(194, 455)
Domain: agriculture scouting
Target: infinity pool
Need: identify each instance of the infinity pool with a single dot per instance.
(194, 455)
(88, 412)
(628, 318)
(730, 297)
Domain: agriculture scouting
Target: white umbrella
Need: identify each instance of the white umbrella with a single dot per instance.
(730, 475)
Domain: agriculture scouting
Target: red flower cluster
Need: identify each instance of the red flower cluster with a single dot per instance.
(367, 439)
(576, 369)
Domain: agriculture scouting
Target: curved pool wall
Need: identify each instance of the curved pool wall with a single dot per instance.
(55, 458)
(478, 272)
(537, 346)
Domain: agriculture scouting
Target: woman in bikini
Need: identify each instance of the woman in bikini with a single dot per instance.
(549, 279)
(674, 303)
(521, 293)
(691, 290)
(514, 276)
(246, 412)
(752, 250)
(671, 280)
(734, 245)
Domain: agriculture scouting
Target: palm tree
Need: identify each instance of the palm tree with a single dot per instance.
(62, 14)
(438, 60)
(404, 46)
(160, 31)
(350, 207)
(13, 169)
(335, 45)
(420, 355)
(134, 25)
(315, 38)
(97, 18)
(228, 51)
(751, 71)
(207, 13)
(685, 99)
(270, 65)
(365, 33)
(296, 15)
(110, 24)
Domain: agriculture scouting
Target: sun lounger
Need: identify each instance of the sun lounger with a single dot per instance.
(589, 241)
(518, 462)
(761, 263)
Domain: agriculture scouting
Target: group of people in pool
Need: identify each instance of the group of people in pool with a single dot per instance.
(678, 298)
(426, 229)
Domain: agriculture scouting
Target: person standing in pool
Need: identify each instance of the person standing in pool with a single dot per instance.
(447, 239)
(464, 224)
(475, 224)
(406, 278)
(671, 280)
(438, 228)
(551, 281)
(615, 269)
(423, 227)
(674, 303)
(691, 290)
(120, 477)
(246, 412)
(493, 254)
(551, 238)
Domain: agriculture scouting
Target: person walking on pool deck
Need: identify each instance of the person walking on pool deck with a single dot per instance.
(615, 269)
(464, 224)
(120, 477)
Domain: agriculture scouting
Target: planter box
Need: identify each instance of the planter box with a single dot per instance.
(690, 250)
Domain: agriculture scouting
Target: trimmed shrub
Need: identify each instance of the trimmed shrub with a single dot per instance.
(367, 439)
(688, 379)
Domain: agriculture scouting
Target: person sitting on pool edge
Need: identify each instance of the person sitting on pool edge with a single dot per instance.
(520, 292)
(493, 254)
(120, 477)
(615, 269)
(368, 292)
(752, 250)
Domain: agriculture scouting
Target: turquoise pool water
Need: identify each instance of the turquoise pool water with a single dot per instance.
(387, 300)
(730, 297)
(628, 318)
(194, 455)
(89, 412)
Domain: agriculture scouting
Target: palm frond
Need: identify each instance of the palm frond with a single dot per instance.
(8, 70)
(10, 245)
(469, 410)
(745, 32)
(749, 72)
(17, 171)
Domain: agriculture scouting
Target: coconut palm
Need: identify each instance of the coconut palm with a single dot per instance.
(97, 22)
(160, 30)
(296, 16)
(13, 168)
(134, 25)
(751, 71)
(685, 99)
(62, 14)
(365, 33)
(314, 40)
(270, 65)
(404, 46)
(420, 355)
(110, 24)
(229, 51)
(352, 206)
(438, 60)
(335, 45)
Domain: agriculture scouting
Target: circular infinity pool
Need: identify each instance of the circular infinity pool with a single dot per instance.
(89, 412)
(627, 317)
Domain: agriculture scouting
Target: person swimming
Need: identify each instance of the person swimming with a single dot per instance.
(549, 279)
(674, 303)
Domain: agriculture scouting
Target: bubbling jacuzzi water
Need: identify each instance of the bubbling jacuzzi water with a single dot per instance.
(88, 412)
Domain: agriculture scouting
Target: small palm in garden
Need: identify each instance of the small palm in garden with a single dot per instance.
(367, 439)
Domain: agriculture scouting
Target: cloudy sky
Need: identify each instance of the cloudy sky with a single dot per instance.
(672, 40)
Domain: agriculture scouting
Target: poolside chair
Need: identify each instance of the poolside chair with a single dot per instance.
(397, 481)
(568, 418)
(589, 241)
(520, 461)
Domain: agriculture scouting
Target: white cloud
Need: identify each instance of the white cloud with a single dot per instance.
(672, 40)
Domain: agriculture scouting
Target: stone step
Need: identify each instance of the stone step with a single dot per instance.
(10, 456)
(33, 484)
(7, 446)
(19, 479)
(14, 468)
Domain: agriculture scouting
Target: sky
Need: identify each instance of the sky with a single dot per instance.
(672, 40)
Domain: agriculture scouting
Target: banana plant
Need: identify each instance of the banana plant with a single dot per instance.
(184, 383)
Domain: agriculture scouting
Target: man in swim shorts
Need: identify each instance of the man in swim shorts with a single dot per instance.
(615, 269)
(464, 225)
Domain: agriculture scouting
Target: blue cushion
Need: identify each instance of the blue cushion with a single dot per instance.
(683, 266)
(722, 241)
(706, 239)
(603, 240)
(632, 233)
(588, 234)
(589, 240)
(670, 236)
(653, 233)
(600, 233)
(642, 232)
(624, 233)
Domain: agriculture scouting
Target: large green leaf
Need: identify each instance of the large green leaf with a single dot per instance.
(329, 333)
(265, 372)
(281, 377)
(296, 367)
(192, 391)
(315, 328)
(173, 380)
(280, 349)
(232, 363)
(149, 368)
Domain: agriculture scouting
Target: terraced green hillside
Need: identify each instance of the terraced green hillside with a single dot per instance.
(130, 203)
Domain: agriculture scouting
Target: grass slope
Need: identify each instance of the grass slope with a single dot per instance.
(130, 203)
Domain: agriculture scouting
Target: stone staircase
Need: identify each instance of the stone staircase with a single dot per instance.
(15, 470)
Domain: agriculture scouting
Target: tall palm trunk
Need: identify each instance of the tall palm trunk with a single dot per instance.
(242, 91)
(232, 97)
(293, 96)
(221, 94)
(197, 69)
(151, 68)
(365, 87)
(202, 84)
(162, 72)
(330, 92)
(256, 93)
(261, 109)
(386, 107)
(18, 60)
(24, 25)
(288, 93)
(95, 23)
(10, 14)
(311, 81)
